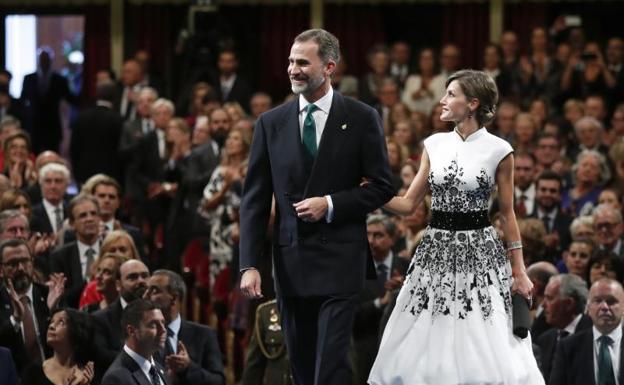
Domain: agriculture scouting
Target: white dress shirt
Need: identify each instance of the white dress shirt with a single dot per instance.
(614, 350)
(175, 328)
(143, 363)
(160, 134)
(571, 328)
(320, 118)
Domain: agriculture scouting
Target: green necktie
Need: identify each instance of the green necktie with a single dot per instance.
(309, 133)
(605, 366)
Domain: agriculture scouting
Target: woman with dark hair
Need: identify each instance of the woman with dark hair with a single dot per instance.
(70, 335)
(452, 323)
(603, 264)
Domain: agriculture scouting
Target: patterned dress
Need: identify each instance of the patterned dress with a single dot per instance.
(452, 321)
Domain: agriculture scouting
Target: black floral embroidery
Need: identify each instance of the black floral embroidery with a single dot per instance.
(454, 272)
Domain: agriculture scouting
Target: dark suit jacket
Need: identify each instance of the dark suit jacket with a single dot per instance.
(8, 372)
(125, 371)
(574, 361)
(240, 92)
(147, 166)
(315, 259)
(561, 225)
(43, 120)
(94, 143)
(134, 232)
(41, 222)
(107, 333)
(206, 366)
(66, 260)
(548, 343)
(11, 337)
(131, 134)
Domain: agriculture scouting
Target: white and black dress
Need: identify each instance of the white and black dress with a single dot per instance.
(452, 320)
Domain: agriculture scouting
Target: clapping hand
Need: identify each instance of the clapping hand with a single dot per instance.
(56, 288)
(81, 376)
(178, 362)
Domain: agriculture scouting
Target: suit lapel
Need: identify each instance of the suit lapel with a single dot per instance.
(76, 265)
(587, 357)
(331, 140)
(288, 144)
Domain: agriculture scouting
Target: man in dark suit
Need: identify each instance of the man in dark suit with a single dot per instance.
(565, 297)
(95, 137)
(230, 86)
(25, 305)
(540, 273)
(191, 353)
(42, 93)
(48, 216)
(75, 259)
(131, 134)
(595, 355)
(8, 374)
(144, 329)
(312, 155)
(609, 229)
(108, 336)
(376, 294)
(548, 188)
(128, 89)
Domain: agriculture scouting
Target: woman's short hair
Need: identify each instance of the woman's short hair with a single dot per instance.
(478, 85)
(9, 197)
(605, 171)
(80, 334)
(115, 236)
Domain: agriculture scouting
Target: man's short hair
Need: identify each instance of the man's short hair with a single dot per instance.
(605, 208)
(328, 44)
(53, 167)
(7, 215)
(386, 222)
(133, 313)
(13, 243)
(176, 284)
(549, 175)
(166, 103)
(106, 91)
(102, 179)
(79, 199)
(572, 286)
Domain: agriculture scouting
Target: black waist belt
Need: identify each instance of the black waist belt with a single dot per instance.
(455, 221)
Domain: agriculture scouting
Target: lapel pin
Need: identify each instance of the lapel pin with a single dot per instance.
(344, 126)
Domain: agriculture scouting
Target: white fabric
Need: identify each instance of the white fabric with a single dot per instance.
(452, 321)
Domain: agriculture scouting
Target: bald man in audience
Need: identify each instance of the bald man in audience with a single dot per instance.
(594, 356)
(539, 273)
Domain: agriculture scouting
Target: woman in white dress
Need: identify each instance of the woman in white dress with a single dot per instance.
(452, 321)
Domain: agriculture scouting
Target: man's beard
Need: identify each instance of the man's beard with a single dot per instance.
(311, 85)
(135, 294)
(21, 282)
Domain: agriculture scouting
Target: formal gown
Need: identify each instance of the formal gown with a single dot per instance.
(452, 321)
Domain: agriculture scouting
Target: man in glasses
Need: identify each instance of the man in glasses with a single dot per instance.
(608, 228)
(25, 305)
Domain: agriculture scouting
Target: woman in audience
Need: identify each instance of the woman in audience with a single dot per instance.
(106, 274)
(235, 111)
(395, 160)
(70, 337)
(404, 135)
(423, 90)
(576, 258)
(616, 155)
(117, 242)
(582, 227)
(222, 199)
(15, 199)
(18, 166)
(603, 265)
(610, 196)
(525, 133)
(590, 173)
(196, 105)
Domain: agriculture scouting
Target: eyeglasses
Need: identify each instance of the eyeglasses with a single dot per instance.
(605, 225)
(14, 263)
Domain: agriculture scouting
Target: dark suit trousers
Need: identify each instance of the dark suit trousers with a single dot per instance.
(318, 332)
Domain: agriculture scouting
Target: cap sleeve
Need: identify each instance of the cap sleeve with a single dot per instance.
(503, 148)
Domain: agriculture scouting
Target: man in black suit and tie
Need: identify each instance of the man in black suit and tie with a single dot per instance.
(48, 216)
(557, 224)
(230, 86)
(76, 258)
(312, 154)
(594, 356)
(191, 353)
(95, 137)
(609, 229)
(128, 89)
(144, 329)
(25, 305)
(564, 302)
(42, 93)
(108, 336)
(376, 294)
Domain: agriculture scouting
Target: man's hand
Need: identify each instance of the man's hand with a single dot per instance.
(56, 288)
(311, 209)
(383, 301)
(18, 307)
(178, 362)
(250, 284)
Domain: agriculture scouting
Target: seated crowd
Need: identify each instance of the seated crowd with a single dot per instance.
(146, 248)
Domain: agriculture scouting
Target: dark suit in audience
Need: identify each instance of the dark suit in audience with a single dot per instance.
(66, 260)
(206, 367)
(108, 335)
(41, 221)
(8, 372)
(125, 371)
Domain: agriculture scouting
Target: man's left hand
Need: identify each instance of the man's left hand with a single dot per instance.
(178, 362)
(311, 209)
